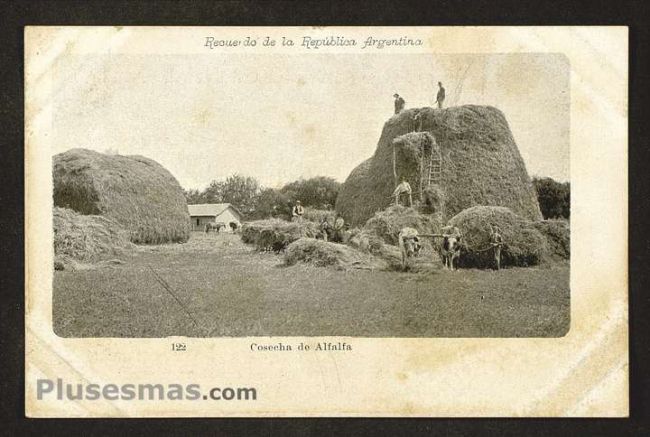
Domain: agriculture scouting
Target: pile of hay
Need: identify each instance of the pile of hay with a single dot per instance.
(524, 244)
(365, 241)
(481, 164)
(558, 237)
(324, 254)
(265, 233)
(433, 201)
(85, 238)
(379, 236)
(136, 192)
(388, 223)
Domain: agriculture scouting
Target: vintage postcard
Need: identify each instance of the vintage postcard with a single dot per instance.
(344, 221)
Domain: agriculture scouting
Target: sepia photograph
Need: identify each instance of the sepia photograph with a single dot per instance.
(361, 195)
(326, 221)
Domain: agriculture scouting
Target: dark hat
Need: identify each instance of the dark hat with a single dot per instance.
(395, 95)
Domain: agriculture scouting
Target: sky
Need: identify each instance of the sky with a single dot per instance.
(282, 117)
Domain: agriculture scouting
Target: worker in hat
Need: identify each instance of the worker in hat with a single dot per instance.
(339, 229)
(297, 212)
(399, 103)
(440, 97)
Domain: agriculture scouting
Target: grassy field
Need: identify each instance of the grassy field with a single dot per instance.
(214, 285)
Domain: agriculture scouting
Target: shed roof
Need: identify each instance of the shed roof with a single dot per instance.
(210, 209)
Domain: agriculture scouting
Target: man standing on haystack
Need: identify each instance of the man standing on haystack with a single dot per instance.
(399, 103)
(297, 212)
(440, 98)
(403, 188)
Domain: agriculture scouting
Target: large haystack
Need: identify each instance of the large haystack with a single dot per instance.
(136, 192)
(523, 244)
(85, 238)
(480, 164)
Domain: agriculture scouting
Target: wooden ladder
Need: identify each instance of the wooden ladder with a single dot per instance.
(434, 174)
(435, 168)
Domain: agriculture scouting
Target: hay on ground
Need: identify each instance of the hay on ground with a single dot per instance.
(481, 164)
(523, 244)
(136, 192)
(365, 241)
(558, 237)
(324, 254)
(265, 233)
(80, 239)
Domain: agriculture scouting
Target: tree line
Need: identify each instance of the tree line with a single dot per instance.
(554, 198)
(258, 202)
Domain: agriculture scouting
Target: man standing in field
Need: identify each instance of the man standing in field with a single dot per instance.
(325, 229)
(339, 229)
(403, 188)
(399, 103)
(297, 212)
(440, 98)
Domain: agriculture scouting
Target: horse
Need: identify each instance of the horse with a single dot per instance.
(214, 227)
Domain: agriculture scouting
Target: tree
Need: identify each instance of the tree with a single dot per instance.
(214, 192)
(271, 203)
(193, 196)
(318, 192)
(241, 192)
(554, 197)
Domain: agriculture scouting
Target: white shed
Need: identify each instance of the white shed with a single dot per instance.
(205, 213)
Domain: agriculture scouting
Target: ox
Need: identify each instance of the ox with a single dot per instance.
(450, 248)
(409, 244)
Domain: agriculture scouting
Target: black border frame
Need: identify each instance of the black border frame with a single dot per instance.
(15, 14)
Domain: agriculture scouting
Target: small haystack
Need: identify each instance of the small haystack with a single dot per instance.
(85, 238)
(558, 237)
(480, 164)
(324, 254)
(265, 233)
(387, 224)
(134, 191)
(524, 245)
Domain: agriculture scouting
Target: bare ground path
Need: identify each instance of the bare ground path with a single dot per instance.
(215, 285)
